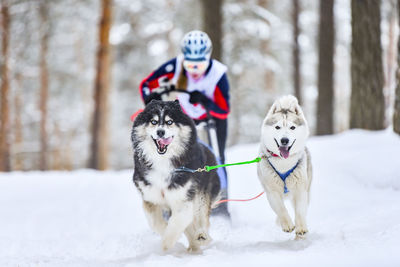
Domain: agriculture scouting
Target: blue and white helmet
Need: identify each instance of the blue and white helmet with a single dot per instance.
(196, 46)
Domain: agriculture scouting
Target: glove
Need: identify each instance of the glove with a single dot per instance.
(198, 97)
(155, 96)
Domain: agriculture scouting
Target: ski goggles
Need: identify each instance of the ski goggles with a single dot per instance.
(196, 67)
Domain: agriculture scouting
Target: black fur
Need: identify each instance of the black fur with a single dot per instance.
(196, 155)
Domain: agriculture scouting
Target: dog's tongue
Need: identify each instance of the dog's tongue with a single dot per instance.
(164, 141)
(284, 150)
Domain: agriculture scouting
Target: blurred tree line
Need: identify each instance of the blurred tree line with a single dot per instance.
(70, 69)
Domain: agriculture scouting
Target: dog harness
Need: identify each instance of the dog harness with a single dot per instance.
(272, 153)
(284, 175)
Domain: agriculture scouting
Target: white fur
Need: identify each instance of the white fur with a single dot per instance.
(285, 113)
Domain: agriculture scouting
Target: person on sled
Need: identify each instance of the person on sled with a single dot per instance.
(207, 83)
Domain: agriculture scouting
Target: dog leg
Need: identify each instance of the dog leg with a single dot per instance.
(197, 231)
(180, 218)
(196, 237)
(155, 217)
(300, 203)
(190, 233)
(276, 203)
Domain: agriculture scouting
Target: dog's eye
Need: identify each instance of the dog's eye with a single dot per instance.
(154, 122)
(277, 127)
(169, 122)
(292, 128)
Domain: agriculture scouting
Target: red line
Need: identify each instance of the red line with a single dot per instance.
(227, 200)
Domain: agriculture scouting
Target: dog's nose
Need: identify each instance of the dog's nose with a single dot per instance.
(160, 132)
(284, 141)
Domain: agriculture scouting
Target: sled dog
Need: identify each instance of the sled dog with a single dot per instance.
(285, 168)
(164, 139)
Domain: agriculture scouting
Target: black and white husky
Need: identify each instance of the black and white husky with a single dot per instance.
(164, 139)
(285, 171)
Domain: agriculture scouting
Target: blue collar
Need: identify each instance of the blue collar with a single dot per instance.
(284, 175)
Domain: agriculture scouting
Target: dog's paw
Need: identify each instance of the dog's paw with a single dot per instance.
(193, 249)
(287, 226)
(301, 227)
(288, 229)
(203, 239)
(301, 232)
(167, 244)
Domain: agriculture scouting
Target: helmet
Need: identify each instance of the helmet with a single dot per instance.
(196, 46)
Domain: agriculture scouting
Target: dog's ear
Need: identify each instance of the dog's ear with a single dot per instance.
(297, 110)
(275, 108)
(177, 105)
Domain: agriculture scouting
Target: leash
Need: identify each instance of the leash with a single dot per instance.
(209, 168)
(250, 199)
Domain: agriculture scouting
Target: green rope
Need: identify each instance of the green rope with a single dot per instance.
(209, 168)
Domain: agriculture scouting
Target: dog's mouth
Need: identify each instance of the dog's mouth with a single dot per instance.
(162, 144)
(284, 150)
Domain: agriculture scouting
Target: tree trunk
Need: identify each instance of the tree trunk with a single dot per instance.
(325, 68)
(396, 114)
(18, 163)
(5, 162)
(99, 148)
(296, 51)
(44, 85)
(367, 107)
(212, 25)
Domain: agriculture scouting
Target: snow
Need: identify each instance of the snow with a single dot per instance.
(91, 218)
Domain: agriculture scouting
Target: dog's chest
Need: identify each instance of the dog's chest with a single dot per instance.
(278, 174)
(158, 190)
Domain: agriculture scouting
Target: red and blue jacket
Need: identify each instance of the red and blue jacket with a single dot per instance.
(214, 84)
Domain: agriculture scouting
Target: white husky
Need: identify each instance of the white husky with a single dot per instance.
(285, 170)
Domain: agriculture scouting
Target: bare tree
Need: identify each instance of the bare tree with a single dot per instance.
(44, 83)
(325, 68)
(396, 115)
(18, 135)
(367, 108)
(296, 51)
(212, 24)
(5, 162)
(99, 148)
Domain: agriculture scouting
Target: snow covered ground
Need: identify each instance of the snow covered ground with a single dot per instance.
(90, 218)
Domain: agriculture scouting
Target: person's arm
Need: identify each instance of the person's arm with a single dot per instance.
(219, 107)
(151, 82)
